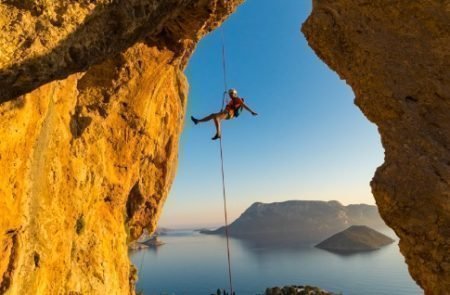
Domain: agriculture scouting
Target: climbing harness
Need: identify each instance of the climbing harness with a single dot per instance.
(224, 193)
(235, 107)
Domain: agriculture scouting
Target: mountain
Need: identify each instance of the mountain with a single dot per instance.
(309, 221)
(355, 238)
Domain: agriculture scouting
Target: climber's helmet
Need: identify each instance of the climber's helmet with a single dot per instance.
(232, 92)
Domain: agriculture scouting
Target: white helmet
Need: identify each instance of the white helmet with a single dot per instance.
(232, 91)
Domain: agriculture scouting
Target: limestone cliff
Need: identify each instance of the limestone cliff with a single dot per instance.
(92, 103)
(92, 100)
(395, 55)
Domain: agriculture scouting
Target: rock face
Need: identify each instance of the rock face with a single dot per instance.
(92, 101)
(395, 56)
(92, 104)
(300, 221)
(354, 239)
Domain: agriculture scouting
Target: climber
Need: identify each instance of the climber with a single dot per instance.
(232, 110)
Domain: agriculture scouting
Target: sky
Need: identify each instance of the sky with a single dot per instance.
(309, 141)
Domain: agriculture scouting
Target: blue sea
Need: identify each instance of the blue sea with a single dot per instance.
(192, 263)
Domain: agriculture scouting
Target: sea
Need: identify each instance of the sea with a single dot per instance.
(190, 263)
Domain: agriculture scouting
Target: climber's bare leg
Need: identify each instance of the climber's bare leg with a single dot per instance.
(216, 117)
(205, 119)
(208, 118)
(217, 123)
(213, 116)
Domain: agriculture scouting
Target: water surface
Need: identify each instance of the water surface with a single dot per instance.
(192, 263)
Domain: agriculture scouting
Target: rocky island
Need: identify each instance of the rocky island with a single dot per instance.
(356, 238)
(307, 221)
(296, 290)
(287, 290)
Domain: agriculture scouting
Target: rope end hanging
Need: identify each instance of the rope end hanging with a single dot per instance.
(226, 217)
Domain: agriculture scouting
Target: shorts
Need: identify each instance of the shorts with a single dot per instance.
(230, 114)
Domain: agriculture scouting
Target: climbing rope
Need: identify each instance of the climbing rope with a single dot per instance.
(224, 67)
(224, 193)
(226, 217)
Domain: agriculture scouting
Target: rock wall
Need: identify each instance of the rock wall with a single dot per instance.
(395, 55)
(92, 104)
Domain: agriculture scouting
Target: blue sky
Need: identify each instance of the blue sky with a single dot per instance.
(309, 142)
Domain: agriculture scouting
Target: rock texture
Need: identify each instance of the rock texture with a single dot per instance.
(354, 239)
(395, 55)
(92, 104)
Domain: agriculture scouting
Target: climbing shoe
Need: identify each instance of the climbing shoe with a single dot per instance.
(194, 120)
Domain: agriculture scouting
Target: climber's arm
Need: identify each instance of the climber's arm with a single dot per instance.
(249, 109)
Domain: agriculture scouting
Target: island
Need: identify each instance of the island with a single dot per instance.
(299, 220)
(356, 238)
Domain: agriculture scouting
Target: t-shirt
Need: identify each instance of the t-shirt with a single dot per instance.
(235, 104)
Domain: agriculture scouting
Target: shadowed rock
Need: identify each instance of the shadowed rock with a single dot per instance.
(395, 56)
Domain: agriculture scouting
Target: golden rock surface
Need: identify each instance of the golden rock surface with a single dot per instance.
(92, 104)
(396, 57)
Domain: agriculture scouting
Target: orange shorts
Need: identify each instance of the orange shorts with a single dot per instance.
(230, 114)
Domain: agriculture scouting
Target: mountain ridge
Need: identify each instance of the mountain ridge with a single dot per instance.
(300, 220)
